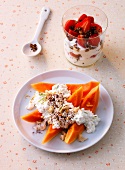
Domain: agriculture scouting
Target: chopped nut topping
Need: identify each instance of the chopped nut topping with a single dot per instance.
(76, 48)
(64, 108)
(40, 126)
(81, 138)
(30, 106)
(27, 96)
(62, 136)
(87, 49)
(76, 109)
(51, 109)
(71, 47)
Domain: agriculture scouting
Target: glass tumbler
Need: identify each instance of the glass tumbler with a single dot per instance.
(85, 28)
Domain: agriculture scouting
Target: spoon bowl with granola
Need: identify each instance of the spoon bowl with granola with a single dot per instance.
(33, 48)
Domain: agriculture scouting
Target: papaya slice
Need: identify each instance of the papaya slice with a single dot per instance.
(76, 97)
(50, 134)
(41, 86)
(87, 87)
(90, 102)
(32, 116)
(73, 132)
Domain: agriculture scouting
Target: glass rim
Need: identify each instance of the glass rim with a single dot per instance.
(86, 6)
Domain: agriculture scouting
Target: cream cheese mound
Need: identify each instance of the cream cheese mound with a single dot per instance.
(57, 111)
(87, 118)
(61, 88)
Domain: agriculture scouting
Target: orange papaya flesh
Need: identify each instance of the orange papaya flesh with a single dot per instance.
(73, 87)
(90, 102)
(41, 86)
(87, 86)
(92, 98)
(73, 132)
(32, 116)
(50, 134)
(76, 97)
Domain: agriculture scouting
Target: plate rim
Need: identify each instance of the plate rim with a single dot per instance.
(53, 150)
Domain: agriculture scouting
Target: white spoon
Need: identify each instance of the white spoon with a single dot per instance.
(33, 51)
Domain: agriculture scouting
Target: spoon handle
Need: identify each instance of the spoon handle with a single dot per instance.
(43, 17)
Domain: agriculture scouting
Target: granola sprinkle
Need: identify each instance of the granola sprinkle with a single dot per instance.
(33, 47)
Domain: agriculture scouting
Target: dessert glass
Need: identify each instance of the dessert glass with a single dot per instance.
(89, 54)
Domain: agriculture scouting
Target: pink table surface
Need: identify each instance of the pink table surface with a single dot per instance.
(18, 21)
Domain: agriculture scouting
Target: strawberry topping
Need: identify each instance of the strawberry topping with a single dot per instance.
(84, 29)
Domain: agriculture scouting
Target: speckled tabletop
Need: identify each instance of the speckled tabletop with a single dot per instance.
(18, 21)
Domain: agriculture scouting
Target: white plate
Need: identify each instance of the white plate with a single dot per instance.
(105, 111)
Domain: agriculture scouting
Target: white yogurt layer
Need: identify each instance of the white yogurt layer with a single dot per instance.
(84, 57)
(57, 111)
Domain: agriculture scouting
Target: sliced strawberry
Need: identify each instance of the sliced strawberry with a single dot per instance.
(82, 17)
(80, 24)
(77, 56)
(91, 19)
(85, 25)
(70, 24)
(81, 41)
(75, 34)
(97, 27)
(94, 40)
